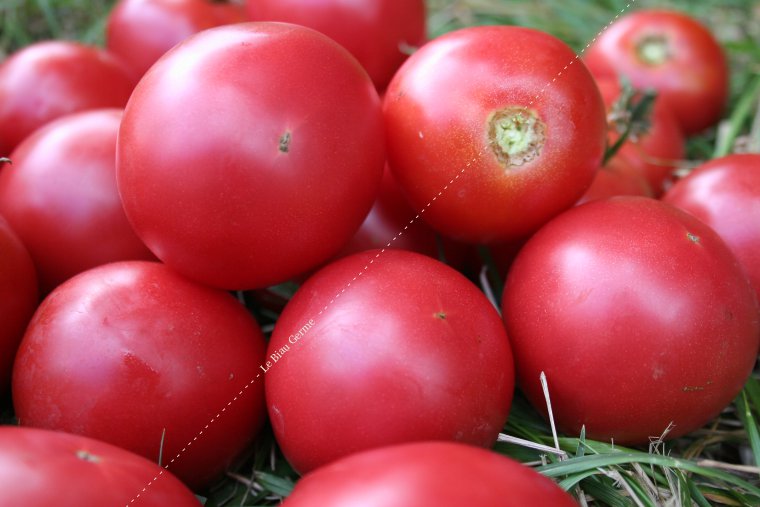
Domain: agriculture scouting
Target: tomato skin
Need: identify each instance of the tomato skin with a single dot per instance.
(438, 111)
(141, 31)
(411, 334)
(18, 298)
(638, 297)
(127, 350)
(267, 176)
(374, 31)
(618, 177)
(60, 197)
(49, 79)
(724, 193)
(427, 474)
(689, 70)
(39, 467)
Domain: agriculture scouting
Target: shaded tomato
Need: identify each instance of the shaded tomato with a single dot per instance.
(401, 353)
(672, 53)
(133, 354)
(60, 196)
(617, 177)
(499, 125)
(39, 467)
(141, 31)
(639, 315)
(725, 194)
(47, 80)
(250, 153)
(379, 33)
(427, 474)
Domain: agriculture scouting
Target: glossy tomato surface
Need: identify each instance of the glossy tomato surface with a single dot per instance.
(50, 79)
(133, 354)
(60, 196)
(427, 474)
(141, 31)
(674, 54)
(639, 315)
(725, 194)
(250, 154)
(379, 33)
(18, 298)
(401, 353)
(503, 121)
(39, 467)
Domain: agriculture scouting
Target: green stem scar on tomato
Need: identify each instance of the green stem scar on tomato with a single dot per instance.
(653, 50)
(516, 135)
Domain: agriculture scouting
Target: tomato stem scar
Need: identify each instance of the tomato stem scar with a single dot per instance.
(653, 50)
(516, 135)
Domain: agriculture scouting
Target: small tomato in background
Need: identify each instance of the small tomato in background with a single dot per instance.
(617, 177)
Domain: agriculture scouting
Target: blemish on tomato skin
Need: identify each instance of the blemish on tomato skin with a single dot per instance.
(693, 238)
(285, 139)
(440, 315)
(86, 456)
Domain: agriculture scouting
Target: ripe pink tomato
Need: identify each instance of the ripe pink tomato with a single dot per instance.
(725, 194)
(672, 53)
(133, 354)
(39, 467)
(491, 116)
(140, 31)
(427, 474)
(250, 153)
(617, 177)
(403, 354)
(60, 197)
(638, 313)
(18, 298)
(50, 79)
(379, 33)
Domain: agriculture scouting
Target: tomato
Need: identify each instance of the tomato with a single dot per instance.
(60, 196)
(140, 31)
(427, 474)
(617, 177)
(18, 298)
(400, 354)
(135, 355)
(250, 153)
(39, 467)
(672, 53)
(379, 33)
(724, 193)
(50, 79)
(491, 118)
(639, 315)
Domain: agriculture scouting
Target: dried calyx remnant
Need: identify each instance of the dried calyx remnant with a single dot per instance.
(516, 135)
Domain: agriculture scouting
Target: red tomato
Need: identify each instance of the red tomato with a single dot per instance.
(672, 53)
(725, 194)
(40, 467)
(639, 315)
(491, 116)
(50, 79)
(135, 355)
(140, 31)
(427, 474)
(18, 298)
(250, 153)
(60, 197)
(654, 153)
(618, 177)
(402, 354)
(379, 33)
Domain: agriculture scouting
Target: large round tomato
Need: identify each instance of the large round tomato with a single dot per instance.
(39, 467)
(672, 53)
(135, 355)
(379, 33)
(250, 153)
(60, 197)
(400, 354)
(140, 31)
(18, 298)
(639, 315)
(725, 194)
(427, 474)
(500, 125)
(50, 79)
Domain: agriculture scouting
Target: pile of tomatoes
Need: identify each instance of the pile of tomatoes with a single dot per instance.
(153, 191)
